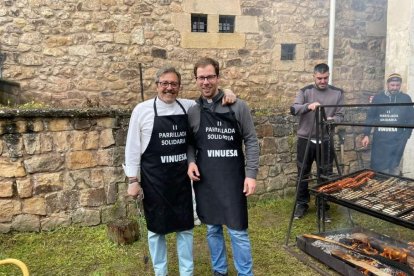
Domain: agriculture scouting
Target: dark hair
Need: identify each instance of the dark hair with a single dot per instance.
(165, 70)
(203, 62)
(321, 68)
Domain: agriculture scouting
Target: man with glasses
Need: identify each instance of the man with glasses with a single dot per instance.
(156, 166)
(222, 181)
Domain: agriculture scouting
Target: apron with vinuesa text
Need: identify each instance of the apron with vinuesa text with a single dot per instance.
(220, 160)
(167, 200)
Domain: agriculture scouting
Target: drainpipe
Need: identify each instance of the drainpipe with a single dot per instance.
(331, 37)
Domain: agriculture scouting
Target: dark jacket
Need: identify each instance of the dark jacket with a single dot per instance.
(392, 114)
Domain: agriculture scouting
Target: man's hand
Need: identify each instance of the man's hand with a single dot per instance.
(365, 141)
(229, 97)
(135, 190)
(249, 186)
(193, 172)
(313, 106)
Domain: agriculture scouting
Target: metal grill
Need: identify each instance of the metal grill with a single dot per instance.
(385, 196)
(328, 251)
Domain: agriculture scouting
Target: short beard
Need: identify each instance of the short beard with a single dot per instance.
(320, 88)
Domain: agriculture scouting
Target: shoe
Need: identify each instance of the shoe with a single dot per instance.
(300, 211)
(216, 273)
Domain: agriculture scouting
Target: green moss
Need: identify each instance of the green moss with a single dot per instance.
(292, 142)
(28, 105)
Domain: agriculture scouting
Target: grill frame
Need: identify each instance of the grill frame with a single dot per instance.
(337, 264)
(349, 204)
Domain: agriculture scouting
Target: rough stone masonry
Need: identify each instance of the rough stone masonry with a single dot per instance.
(63, 167)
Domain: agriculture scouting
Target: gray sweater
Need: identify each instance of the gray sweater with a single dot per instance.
(309, 94)
(245, 120)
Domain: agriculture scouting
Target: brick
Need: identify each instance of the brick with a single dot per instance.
(47, 182)
(24, 187)
(6, 188)
(49, 162)
(11, 169)
(106, 138)
(92, 140)
(34, 206)
(80, 160)
(26, 223)
(93, 197)
(59, 125)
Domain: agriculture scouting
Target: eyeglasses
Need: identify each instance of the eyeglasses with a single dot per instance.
(208, 78)
(165, 84)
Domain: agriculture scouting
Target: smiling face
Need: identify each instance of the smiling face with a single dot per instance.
(207, 81)
(168, 87)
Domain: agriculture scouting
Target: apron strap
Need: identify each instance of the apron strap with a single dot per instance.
(235, 119)
(214, 110)
(182, 107)
(155, 107)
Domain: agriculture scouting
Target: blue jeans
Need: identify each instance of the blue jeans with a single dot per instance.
(240, 244)
(158, 250)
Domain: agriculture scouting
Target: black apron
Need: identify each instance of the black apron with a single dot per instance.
(220, 160)
(388, 143)
(167, 201)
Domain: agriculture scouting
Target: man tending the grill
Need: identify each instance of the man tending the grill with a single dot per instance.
(306, 102)
(222, 181)
(388, 143)
(156, 158)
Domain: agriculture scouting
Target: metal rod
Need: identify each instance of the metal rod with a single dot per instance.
(141, 82)
(367, 105)
(299, 180)
(304, 259)
(142, 228)
(331, 48)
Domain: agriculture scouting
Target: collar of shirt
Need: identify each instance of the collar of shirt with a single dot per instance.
(207, 103)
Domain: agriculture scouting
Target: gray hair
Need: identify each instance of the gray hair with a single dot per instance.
(165, 70)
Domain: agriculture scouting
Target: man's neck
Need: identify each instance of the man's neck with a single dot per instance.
(391, 93)
(213, 98)
(164, 102)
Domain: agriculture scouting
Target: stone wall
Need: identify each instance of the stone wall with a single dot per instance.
(60, 168)
(63, 167)
(9, 92)
(74, 53)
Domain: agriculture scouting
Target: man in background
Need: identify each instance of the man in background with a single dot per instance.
(388, 143)
(306, 102)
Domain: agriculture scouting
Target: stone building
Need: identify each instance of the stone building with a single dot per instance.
(73, 53)
(64, 168)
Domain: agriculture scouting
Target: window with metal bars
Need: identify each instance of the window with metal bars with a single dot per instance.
(226, 23)
(199, 23)
(288, 52)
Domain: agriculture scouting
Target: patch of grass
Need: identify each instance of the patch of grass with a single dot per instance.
(87, 250)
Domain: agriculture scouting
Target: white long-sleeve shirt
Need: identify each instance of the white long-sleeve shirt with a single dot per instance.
(140, 130)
